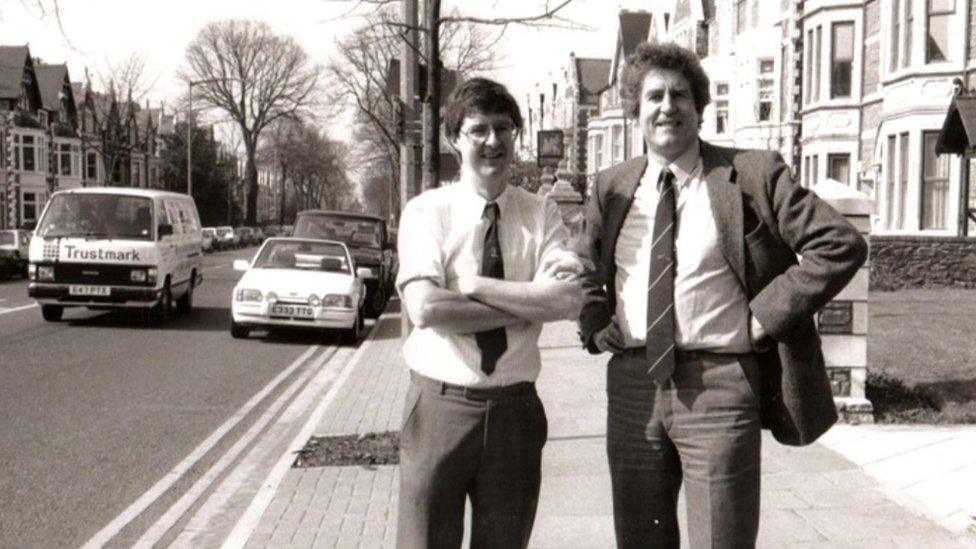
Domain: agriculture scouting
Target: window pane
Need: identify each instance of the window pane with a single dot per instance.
(816, 63)
(935, 185)
(937, 43)
(906, 52)
(838, 168)
(942, 5)
(843, 60)
(889, 195)
(895, 29)
(902, 182)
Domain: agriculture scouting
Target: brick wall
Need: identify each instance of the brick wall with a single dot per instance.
(922, 262)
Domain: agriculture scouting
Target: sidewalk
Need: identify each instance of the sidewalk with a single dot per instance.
(811, 497)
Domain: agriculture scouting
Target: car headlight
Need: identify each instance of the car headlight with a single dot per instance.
(137, 275)
(337, 300)
(314, 301)
(246, 294)
(45, 272)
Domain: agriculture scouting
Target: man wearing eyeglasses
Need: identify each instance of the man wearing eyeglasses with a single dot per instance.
(482, 266)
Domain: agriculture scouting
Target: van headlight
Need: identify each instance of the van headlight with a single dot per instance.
(336, 300)
(137, 275)
(245, 294)
(32, 271)
(45, 272)
(152, 274)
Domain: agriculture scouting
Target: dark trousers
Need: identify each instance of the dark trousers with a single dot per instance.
(456, 444)
(702, 428)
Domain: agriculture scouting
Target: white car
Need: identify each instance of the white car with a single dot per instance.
(299, 282)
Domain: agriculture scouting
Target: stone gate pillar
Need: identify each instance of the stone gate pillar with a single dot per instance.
(843, 323)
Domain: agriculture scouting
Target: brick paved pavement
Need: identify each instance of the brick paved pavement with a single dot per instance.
(812, 497)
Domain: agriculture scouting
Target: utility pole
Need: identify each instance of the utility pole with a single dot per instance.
(409, 76)
(432, 102)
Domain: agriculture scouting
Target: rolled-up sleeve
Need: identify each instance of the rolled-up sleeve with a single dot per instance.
(418, 249)
(555, 238)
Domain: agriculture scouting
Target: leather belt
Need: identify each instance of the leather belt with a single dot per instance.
(683, 355)
(523, 388)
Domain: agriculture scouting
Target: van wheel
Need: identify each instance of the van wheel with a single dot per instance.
(161, 312)
(52, 313)
(238, 331)
(184, 305)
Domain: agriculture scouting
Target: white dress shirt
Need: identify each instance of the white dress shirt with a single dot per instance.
(441, 238)
(710, 306)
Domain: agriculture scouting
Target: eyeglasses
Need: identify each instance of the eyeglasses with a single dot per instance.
(479, 133)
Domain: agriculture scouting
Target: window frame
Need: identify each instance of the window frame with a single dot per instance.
(926, 181)
(945, 14)
(834, 59)
(840, 156)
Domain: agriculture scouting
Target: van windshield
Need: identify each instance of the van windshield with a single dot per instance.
(356, 233)
(97, 216)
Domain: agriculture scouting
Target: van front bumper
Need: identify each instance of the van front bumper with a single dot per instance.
(119, 296)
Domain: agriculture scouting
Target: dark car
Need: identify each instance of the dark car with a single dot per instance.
(367, 239)
(13, 252)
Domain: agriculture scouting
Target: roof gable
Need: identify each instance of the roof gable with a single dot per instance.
(635, 26)
(958, 133)
(13, 59)
(592, 75)
(51, 79)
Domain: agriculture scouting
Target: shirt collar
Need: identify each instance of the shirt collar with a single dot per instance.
(683, 167)
(474, 203)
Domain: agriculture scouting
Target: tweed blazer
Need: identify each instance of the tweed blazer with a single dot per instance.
(765, 221)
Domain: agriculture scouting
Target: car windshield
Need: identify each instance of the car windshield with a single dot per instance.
(359, 233)
(303, 254)
(97, 216)
(7, 238)
(208, 232)
(223, 231)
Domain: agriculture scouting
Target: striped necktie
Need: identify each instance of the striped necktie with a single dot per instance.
(660, 291)
(491, 342)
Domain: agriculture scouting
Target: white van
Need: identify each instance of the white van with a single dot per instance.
(108, 248)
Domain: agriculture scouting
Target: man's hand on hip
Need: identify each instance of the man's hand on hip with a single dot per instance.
(609, 338)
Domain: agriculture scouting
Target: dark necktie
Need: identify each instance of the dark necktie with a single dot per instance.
(660, 291)
(491, 342)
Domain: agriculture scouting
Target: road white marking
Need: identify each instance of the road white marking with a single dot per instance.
(15, 309)
(249, 520)
(204, 483)
(112, 529)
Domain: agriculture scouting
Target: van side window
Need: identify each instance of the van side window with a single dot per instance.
(172, 209)
(189, 221)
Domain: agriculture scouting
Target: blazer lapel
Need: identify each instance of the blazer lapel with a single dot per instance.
(619, 199)
(726, 198)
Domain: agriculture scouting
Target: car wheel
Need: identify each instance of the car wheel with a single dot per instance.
(353, 334)
(52, 313)
(161, 312)
(375, 302)
(184, 305)
(238, 331)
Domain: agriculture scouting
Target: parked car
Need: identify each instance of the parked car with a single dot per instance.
(115, 248)
(367, 239)
(242, 236)
(225, 238)
(14, 247)
(209, 236)
(259, 236)
(299, 283)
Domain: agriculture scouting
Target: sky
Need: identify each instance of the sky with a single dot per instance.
(102, 33)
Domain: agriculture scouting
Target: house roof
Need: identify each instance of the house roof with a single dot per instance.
(12, 61)
(50, 78)
(634, 28)
(958, 133)
(593, 74)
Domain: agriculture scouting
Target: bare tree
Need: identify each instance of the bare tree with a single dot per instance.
(256, 77)
(359, 79)
(547, 14)
(112, 123)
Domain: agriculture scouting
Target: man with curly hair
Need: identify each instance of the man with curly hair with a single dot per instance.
(696, 290)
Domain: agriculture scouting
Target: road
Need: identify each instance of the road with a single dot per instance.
(99, 410)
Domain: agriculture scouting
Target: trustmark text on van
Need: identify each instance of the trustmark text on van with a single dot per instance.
(107, 248)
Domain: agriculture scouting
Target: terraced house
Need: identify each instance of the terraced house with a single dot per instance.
(57, 135)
